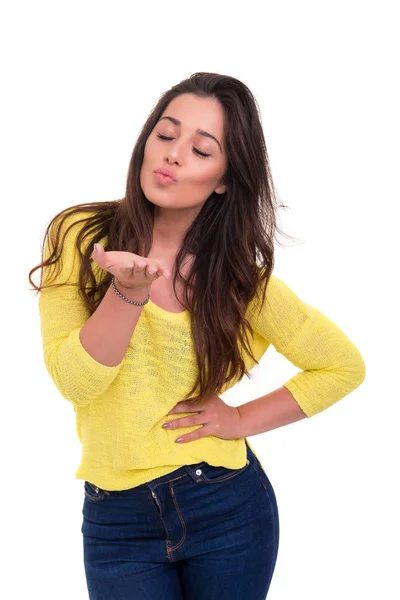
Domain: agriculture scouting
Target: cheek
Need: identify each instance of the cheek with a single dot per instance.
(146, 162)
(205, 176)
(147, 151)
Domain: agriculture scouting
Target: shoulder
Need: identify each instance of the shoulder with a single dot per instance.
(276, 299)
(273, 287)
(70, 218)
(62, 241)
(65, 231)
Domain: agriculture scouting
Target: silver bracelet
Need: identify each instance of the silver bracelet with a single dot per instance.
(127, 299)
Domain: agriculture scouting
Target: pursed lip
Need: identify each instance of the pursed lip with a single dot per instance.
(166, 172)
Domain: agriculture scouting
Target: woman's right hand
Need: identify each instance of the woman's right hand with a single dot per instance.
(130, 270)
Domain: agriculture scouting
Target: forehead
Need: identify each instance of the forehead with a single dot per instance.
(197, 113)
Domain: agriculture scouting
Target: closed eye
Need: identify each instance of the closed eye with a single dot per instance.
(203, 154)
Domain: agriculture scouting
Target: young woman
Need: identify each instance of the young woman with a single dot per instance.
(174, 306)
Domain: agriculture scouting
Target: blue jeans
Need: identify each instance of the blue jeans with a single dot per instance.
(198, 533)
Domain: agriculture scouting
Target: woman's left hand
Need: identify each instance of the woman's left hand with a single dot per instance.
(216, 417)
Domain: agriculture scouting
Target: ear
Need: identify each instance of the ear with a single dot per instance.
(220, 189)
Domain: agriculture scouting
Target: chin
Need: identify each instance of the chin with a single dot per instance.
(155, 198)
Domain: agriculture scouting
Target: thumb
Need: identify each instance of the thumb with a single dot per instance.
(98, 250)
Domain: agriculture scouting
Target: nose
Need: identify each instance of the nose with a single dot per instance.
(171, 161)
(173, 153)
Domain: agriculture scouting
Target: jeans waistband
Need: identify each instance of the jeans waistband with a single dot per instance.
(191, 471)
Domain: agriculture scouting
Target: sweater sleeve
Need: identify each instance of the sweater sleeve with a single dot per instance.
(331, 364)
(76, 374)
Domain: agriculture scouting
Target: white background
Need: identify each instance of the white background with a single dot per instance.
(79, 79)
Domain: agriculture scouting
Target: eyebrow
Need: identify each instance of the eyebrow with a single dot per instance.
(199, 131)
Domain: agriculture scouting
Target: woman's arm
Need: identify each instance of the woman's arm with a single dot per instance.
(332, 366)
(83, 352)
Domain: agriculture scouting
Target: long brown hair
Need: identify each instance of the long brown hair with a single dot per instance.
(232, 238)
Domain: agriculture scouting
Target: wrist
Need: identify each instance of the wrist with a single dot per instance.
(139, 293)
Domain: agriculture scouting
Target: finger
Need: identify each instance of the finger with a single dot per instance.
(140, 265)
(97, 248)
(182, 407)
(97, 252)
(151, 270)
(166, 272)
(190, 437)
(185, 422)
(99, 257)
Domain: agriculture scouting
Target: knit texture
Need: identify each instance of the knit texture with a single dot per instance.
(120, 409)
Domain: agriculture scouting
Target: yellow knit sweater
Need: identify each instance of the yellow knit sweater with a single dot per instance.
(120, 409)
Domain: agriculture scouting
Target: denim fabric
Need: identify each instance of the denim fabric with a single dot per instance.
(198, 533)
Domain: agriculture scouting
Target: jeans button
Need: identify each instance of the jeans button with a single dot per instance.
(198, 471)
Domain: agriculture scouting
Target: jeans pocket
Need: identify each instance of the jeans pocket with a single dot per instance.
(210, 474)
(94, 493)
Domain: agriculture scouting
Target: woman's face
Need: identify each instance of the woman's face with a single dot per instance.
(197, 175)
